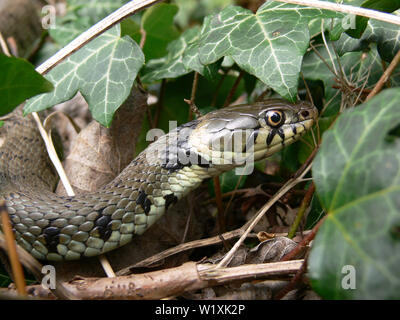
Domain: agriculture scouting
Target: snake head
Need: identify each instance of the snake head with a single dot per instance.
(233, 136)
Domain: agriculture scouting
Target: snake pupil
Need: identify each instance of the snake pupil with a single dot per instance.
(274, 118)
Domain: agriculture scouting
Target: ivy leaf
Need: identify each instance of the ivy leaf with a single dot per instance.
(158, 22)
(359, 66)
(385, 35)
(95, 9)
(380, 5)
(269, 44)
(18, 82)
(171, 65)
(103, 71)
(356, 173)
(67, 28)
(354, 25)
(81, 15)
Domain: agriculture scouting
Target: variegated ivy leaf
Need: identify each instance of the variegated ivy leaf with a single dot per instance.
(81, 14)
(269, 44)
(103, 71)
(385, 35)
(356, 174)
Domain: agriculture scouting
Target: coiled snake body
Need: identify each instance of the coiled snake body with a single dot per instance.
(53, 227)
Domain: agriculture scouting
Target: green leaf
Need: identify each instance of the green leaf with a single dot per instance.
(269, 44)
(358, 66)
(195, 10)
(380, 5)
(103, 71)
(385, 35)
(67, 28)
(157, 21)
(315, 214)
(172, 65)
(356, 173)
(95, 9)
(18, 82)
(81, 15)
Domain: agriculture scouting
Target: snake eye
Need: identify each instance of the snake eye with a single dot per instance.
(275, 118)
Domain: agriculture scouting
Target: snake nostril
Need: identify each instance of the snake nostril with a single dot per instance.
(304, 113)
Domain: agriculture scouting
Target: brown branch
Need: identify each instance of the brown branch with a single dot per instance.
(16, 266)
(143, 38)
(220, 205)
(291, 285)
(170, 282)
(191, 102)
(233, 90)
(307, 239)
(385, 77)
(302, 209)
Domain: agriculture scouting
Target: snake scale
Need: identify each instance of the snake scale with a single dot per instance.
(53, 227)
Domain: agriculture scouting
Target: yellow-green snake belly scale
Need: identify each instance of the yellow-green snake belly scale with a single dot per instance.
(53, 227)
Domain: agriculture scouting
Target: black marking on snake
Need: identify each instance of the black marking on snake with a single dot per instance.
(103, 226)
(294, 129)
(201, 162)
(170, 199)
(282, 135)
(143, 201)
(251, 140)
(271, 136)
(179, 156)
(52, 237)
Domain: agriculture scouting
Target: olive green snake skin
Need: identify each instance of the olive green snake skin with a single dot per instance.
(53, 227)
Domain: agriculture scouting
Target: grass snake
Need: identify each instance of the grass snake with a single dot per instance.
(53, 227)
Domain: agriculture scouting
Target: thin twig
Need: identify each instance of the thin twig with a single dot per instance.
(220, 205)
(53, 156)
(191, 102)
(3, 45)
(117, 16)
(285, 188)
(385, 77)
(35, 268)
(217, 88)
(143, 38)
(291, 285)
(106, 266)
(327, 48)
(16, 266)
(233, 90)
(302, 209)
(232, 195)
(368, 13)
(307, 239)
